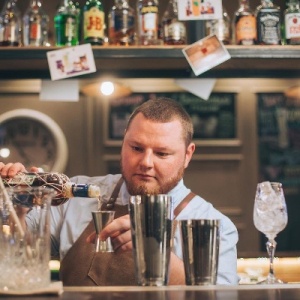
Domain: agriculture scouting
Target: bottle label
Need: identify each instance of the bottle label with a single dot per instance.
(20, 179)
(149, 16)
(10, 32)
(269, 28)
(175, 31)
(246, 29)
(220, 28)
(71, 27)
(94, 23)
(292, 25)
(123, 22)
(80, 190)
(35, 31)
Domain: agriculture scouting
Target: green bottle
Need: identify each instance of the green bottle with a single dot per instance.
(66, 23)
(93, 22)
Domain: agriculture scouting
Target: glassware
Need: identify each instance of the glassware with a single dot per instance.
(174, 31)
(61, 183)
(121, 20)
(147, 20)
(25, 250)
(268, 18)
(93, 22)
(10, 24)
(270, 217)
(66, 22)
(35, 25)
(244, 25)
(220, 27)
(101, 218)
(292, 23)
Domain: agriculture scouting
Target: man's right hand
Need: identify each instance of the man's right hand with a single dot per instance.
(11, 169)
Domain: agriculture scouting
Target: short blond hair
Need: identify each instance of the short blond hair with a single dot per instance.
(165, 110)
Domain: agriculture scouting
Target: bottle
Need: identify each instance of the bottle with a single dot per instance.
(220, 27)
(66, 23)
(147, 19)
(35, 25)
(61, 183)
(121, 24)
(173, 30)
(93, 22)
(292, 23)
(244, 25)
(268, 23)
(10, 24)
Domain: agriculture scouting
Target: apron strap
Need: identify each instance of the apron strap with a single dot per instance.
(109, 205)
(183, 204)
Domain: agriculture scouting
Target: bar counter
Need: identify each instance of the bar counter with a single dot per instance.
(241, 292)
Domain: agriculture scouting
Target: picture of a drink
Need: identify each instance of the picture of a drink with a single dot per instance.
(196, 7)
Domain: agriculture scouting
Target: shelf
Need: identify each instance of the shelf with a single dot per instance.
(158, 61)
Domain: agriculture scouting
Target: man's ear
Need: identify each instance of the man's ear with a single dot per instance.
(189, 153)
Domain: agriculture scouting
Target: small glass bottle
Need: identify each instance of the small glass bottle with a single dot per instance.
(147, 20)
(268, 23)
(121, 24)
(220, 27)
(292, 23)
(61, 183)
(10, 24)
(93, 22)
(244, 25)
(35, 25)
(66, 22)
(173, 30)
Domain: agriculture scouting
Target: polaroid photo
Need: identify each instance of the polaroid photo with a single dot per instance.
(205, 54)
(199, 9)
(71, 61)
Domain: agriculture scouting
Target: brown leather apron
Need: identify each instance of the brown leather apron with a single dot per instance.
(82, 266)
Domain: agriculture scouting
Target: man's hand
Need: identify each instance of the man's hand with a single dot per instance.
(12, 169)
(119, 230)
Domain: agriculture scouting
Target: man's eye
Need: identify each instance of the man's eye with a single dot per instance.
(137, 149)
(162, 154)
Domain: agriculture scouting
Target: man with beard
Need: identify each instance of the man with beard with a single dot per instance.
(157, 148)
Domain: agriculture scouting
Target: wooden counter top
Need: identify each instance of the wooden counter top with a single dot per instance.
(257, 292)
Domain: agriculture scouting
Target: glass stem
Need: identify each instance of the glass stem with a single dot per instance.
(271, 247)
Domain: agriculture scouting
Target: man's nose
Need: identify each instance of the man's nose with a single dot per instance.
(147, 159)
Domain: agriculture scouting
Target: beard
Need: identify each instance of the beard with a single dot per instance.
(144, 188)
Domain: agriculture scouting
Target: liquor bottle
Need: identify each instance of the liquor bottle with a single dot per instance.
(173, 30)
(147, 19)
(292, 23)
(268, 23)
(35, 25)
(244, 25)
(61, 184)
(220, 27)
(10, 24)
(66, 22)
(121, 24)
(93, 22)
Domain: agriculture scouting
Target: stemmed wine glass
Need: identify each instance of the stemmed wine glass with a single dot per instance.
(270, 217)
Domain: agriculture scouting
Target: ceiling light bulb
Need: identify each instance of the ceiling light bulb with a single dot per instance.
(107, 88)
(4, 152)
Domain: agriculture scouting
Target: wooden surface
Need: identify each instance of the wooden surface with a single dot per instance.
(161, 61)
(278, 292)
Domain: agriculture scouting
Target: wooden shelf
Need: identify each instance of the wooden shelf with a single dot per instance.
(157, 62)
